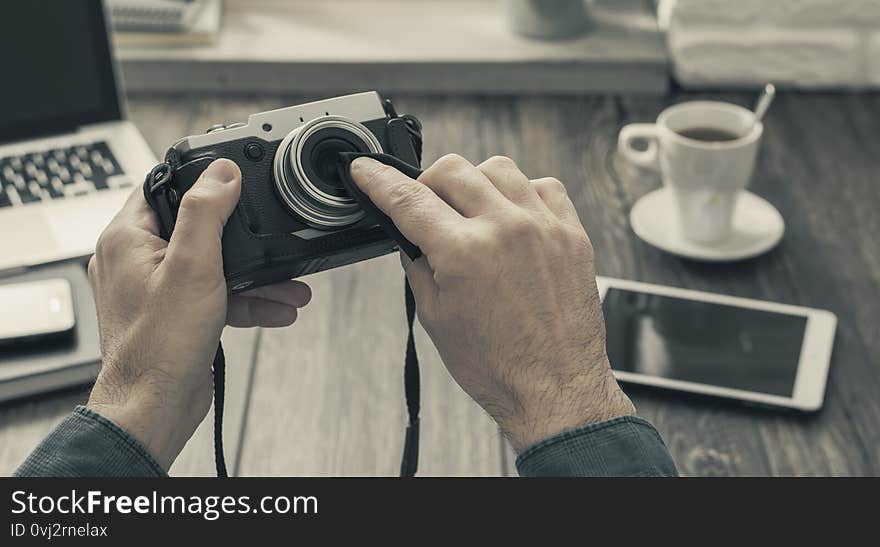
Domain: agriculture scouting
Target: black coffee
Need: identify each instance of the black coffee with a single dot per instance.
(708, 134)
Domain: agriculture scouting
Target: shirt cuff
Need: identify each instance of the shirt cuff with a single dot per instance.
(627, 446)
(87, 444)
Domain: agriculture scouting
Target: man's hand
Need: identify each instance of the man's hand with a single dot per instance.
(506, 289)
(161, 308)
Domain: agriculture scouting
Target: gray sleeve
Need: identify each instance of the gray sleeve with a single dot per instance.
(87, 444)
(623, 447)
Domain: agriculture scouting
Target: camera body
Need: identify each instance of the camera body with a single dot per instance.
(294, 216)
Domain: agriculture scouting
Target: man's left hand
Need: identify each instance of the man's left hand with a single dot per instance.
(161, 309)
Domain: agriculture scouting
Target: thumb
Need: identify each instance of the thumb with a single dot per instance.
(203, 212)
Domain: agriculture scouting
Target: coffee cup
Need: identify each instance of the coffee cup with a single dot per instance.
(547, 19)
(705, 153)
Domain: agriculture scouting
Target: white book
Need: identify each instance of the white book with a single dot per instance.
(153, 15)
(201, 29)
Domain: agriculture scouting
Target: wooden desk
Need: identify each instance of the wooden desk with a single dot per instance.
(325, 396)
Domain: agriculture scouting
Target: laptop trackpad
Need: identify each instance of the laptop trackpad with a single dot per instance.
(57, 230)
(77, 224)
(26, 237)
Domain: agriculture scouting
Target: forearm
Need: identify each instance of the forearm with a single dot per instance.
(86, 444)
(627, 446)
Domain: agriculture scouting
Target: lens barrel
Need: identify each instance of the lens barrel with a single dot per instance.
(306, 175)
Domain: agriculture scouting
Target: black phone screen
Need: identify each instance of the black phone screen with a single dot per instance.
(703, 342)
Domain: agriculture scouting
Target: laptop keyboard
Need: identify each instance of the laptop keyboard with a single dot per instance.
(59, 173)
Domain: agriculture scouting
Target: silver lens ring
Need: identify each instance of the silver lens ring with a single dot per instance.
(313, 127)
(299, 192)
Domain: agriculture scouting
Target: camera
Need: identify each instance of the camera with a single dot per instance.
(295, 216)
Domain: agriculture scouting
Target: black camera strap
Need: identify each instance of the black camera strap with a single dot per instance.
(219, 370)
(409, 462)
(411, 379)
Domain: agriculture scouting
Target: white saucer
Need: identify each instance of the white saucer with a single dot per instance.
(757, 228)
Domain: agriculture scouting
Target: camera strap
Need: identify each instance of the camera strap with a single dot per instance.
(411, 379)
(409, 462)
(219, 370)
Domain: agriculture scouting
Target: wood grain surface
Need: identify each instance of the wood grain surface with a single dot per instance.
(325, 396)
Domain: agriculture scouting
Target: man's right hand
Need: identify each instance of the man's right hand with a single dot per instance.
(506, 289)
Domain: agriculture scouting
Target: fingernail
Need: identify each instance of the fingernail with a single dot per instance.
(222, 170)
(362, 163)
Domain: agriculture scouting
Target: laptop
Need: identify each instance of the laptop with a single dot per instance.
(68, 157)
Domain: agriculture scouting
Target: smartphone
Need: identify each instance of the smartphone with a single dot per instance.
(737, 348)
(36, 312)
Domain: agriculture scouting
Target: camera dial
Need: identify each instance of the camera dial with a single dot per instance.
(306, 175)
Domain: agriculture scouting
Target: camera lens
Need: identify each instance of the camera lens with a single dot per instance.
(306, 174)
(323, 160)
(321, 156)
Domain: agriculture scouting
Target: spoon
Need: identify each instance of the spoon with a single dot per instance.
(764, 101)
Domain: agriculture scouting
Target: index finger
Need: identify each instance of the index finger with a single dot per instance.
(136, 213)
(420, 215)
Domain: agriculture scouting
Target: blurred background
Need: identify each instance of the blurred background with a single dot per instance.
(548, 83)
(525, 46)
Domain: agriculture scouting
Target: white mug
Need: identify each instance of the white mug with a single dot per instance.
(706, 177)
(547, 19)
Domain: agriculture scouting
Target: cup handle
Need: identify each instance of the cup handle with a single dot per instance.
(646, 159)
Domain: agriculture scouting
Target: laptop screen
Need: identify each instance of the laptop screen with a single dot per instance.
(56, 66)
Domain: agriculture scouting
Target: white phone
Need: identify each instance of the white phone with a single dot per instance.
(738, 348)
(35, 311)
